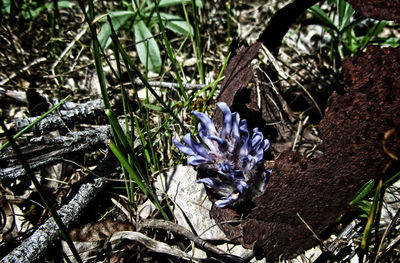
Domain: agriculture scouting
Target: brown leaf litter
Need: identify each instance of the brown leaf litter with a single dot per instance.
(319, 190)
(378, 9)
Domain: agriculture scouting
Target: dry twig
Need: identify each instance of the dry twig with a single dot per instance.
(202, 244)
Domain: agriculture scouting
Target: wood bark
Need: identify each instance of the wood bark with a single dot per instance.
(69, 114)
(45, 151)
(34, 247)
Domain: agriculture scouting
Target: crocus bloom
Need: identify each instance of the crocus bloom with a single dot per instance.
(230, 153)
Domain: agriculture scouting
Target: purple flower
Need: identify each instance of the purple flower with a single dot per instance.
(229, 152)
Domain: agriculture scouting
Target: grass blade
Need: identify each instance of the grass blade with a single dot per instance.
(148, 192)
(171, 54)
(371, 218)
(43, 197)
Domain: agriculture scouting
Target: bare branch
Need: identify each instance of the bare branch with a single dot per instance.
(45, 151)
(72, 113)
(34, 247)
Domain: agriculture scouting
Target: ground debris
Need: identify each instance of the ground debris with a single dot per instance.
(70, 114)
(45, 151)
(34, 247)
(378, 9)
(319, 190)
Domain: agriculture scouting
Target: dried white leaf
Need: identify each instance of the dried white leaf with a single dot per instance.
(191, 206)
(152, 244)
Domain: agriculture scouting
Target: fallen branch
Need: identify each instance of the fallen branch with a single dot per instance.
(45, 151)
(12, 96)
(163, 84)
(154, 245)
(34, 247)
(202, 244)
(73, 113)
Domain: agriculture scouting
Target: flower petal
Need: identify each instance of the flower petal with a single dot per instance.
(225, 167)
(206, 122)
(231, 152)
(222, 144)
(197, 160)
(235, 132)
(204, 137)
(237, 175)
(241, 185)
(243, 127)
(227, 120)
(183, 148)
(244, 150)
(227, 201)
(266, 144)
(258, 154)
(197, 147)
(211, 182)
(257, 139)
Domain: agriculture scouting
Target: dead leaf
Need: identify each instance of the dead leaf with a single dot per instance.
(190, 203)
(320, 189)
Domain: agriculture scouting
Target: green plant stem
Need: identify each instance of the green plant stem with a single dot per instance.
(171, 54)
(148, 192)
(210, 96)
(97, 59)
(132, 65)
(127, 111)
(371, 218)
(198, 44)
(120, 137)
(43, 197)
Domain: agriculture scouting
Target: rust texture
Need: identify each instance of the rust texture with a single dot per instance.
(238, 74)
(318, 190)
(239, 91)
(378, 9)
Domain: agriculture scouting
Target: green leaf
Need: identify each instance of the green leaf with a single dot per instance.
(350, 41)
(372, 216)
(166, 3)
(350, 26)
(125, 163)
(6, 7)
(134, 4)
(31, 12)
(345, 12)
(365, 206)
(147, 48)
(64, 4)
(153, 107)
(176, 24)
(392, 42)
(134, 175)
(363, 192)
(118, 18)
(321, 16)
(372, 33)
